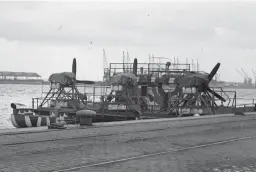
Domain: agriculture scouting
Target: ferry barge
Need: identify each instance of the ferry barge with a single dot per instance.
(141, 90)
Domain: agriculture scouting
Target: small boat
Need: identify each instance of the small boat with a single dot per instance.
(27, 119)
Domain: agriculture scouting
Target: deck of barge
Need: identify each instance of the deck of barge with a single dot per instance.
(209, 143)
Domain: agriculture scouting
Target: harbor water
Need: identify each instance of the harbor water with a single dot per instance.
(24, 94)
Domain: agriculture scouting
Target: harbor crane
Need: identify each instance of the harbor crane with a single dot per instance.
(254, 74)
(105, 67)
(245, 80)
(249, 79)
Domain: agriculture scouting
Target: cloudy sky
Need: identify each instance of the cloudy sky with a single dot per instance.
(43, 37)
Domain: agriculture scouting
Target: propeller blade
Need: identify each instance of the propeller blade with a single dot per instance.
(135, 67)
(214, 71)
(216, 94)
(74, 66)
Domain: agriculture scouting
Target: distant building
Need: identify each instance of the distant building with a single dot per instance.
(5, 75)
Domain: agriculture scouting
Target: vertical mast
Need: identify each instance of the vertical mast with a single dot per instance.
(128, 61)
(197, 66)
(193, 68)
(123, 62)
(177, 63)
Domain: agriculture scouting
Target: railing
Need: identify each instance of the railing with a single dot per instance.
(95, 93)
(229, 96)
(36, 101)
(132, 102)
(248, 101)
(148, 68)
(246, 107)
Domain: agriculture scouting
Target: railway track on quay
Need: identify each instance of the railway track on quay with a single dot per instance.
(112, 134)
(103, 148)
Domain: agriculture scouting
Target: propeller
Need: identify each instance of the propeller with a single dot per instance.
(210, 76)
(74, 71)
(135, 66)
(74, 66)
(216, 94)
(214, 71)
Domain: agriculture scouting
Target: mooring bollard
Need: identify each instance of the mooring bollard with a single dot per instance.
(86, 117)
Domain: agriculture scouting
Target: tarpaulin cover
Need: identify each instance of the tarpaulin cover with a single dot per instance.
(123, 79)
(192, 80)
(64, 78)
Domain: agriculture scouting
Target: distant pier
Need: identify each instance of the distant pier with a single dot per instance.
(27, 78)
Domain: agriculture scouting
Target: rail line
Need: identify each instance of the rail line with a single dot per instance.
(118, 133)
(156, 154)
(125, 142)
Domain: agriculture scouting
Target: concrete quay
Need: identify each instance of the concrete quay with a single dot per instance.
(212, 143)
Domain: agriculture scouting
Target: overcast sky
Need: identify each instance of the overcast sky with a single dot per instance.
(43, 37)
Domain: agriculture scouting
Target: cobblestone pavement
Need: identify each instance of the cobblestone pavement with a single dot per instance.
(234, 157)
(56, 150)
